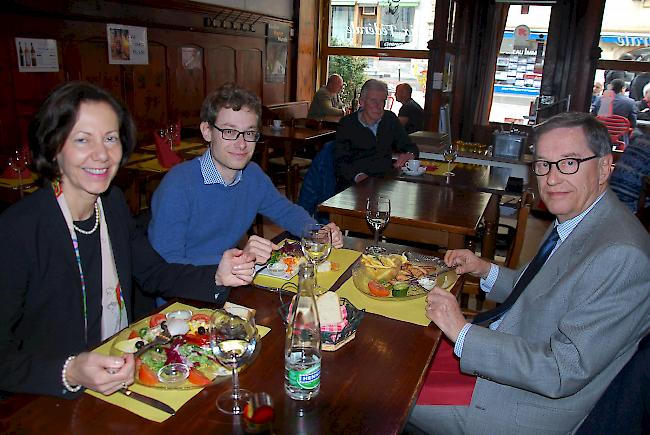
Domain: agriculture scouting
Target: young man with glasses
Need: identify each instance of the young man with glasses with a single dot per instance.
(569, 320)
(205, 206)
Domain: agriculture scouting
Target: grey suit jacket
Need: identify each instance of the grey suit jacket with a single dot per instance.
(571, 331)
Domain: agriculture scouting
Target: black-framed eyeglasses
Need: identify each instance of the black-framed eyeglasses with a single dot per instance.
(565, 166)
(232, 134)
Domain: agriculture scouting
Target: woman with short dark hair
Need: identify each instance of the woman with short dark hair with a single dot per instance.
(71, 249)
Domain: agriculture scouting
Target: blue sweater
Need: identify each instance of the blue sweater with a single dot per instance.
(194, 223)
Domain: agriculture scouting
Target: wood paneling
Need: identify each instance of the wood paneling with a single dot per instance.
(157, 93)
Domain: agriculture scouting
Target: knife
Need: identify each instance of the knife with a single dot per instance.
(148, 400)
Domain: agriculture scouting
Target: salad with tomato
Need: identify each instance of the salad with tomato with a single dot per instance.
(185, 361)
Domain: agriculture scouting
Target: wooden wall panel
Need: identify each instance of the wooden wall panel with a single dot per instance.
(220, 67)
(189, 78)
(150, 93)
(249, 70)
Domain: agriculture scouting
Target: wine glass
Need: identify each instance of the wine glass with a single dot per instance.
(450, 154)
(18, 164)
(316, 243)
(171, 135)
(232, 341)
(377, 215)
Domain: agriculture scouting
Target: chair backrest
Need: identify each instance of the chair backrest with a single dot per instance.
(623, 407)
(319, 183)
(313, 124)
(514, 250)
(289, 110)
(643, 212)
(617, 126)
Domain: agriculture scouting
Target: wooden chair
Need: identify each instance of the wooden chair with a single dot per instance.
(471, 286)
(643, 212)
(618, 126)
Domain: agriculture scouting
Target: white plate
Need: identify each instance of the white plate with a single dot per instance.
(421, 170)
(261, 269)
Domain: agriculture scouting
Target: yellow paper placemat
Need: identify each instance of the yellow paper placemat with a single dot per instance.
(411, 311)
(173, 398)
(183, 145)
(138, 157)
(344, 257)
(152, 165)
(15, 182)
(441, 167)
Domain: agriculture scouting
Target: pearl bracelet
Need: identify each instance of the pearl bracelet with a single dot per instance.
(64, 381)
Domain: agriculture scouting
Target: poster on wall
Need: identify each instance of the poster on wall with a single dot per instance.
(37, 55)
(127, 45)
(277, 42)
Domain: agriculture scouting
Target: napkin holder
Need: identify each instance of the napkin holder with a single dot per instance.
(331, 341)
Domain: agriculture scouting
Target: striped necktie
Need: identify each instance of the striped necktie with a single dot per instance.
(528, 275)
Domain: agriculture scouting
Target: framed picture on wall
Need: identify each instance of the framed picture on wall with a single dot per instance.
(127, 44)
(277, 42)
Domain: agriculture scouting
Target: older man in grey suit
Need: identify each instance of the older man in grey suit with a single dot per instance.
(568, 327)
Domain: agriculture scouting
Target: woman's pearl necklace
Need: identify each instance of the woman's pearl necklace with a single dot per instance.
(96, 223)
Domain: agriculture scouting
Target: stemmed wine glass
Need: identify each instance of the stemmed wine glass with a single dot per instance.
(232, 340)
(168, 134)
(316, 243)
(450, 154)
(17, 163)
(377, 215)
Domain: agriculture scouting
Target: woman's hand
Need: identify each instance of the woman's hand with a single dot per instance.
(101, 373)
(465, 261)
(236, 268)
(337, 236)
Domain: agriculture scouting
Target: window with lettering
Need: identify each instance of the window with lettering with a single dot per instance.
(385, 24)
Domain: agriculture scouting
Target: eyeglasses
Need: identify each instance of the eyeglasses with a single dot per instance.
(565, 166)
(232, 134)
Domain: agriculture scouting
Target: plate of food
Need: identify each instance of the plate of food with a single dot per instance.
(284, 262)
(172, 351)
(393, 277)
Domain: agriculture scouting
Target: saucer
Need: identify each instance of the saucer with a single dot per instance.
(421, 170)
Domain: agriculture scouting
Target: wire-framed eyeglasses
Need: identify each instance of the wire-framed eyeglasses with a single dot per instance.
(232, 134)
(565, 166)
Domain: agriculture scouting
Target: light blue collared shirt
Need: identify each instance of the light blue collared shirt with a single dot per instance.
(563, 230)
(210, 173)
(372, 127)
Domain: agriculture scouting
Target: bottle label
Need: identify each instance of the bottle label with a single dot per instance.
(308, 379)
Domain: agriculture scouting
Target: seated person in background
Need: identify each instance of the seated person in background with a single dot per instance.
(595, 94)
(205, 206)
(410, 114)
(630, 169)
(550, 351)
(621, 105)
(327, 101)
(367, 139)
(70, 251)
(643, 106)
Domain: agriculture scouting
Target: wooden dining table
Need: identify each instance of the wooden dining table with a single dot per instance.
(475, 178)
(420, 212)
(368, 386)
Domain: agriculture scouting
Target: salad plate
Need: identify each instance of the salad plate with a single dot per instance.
(395, 278)
(284, 262)
(173, 351)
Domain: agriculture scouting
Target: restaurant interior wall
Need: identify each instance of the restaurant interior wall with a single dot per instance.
(157, 93)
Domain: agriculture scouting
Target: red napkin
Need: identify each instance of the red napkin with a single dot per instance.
(166, 156)
(445, 384)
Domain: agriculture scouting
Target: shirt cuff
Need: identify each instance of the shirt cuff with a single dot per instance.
(458, 347)
(488, 282)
